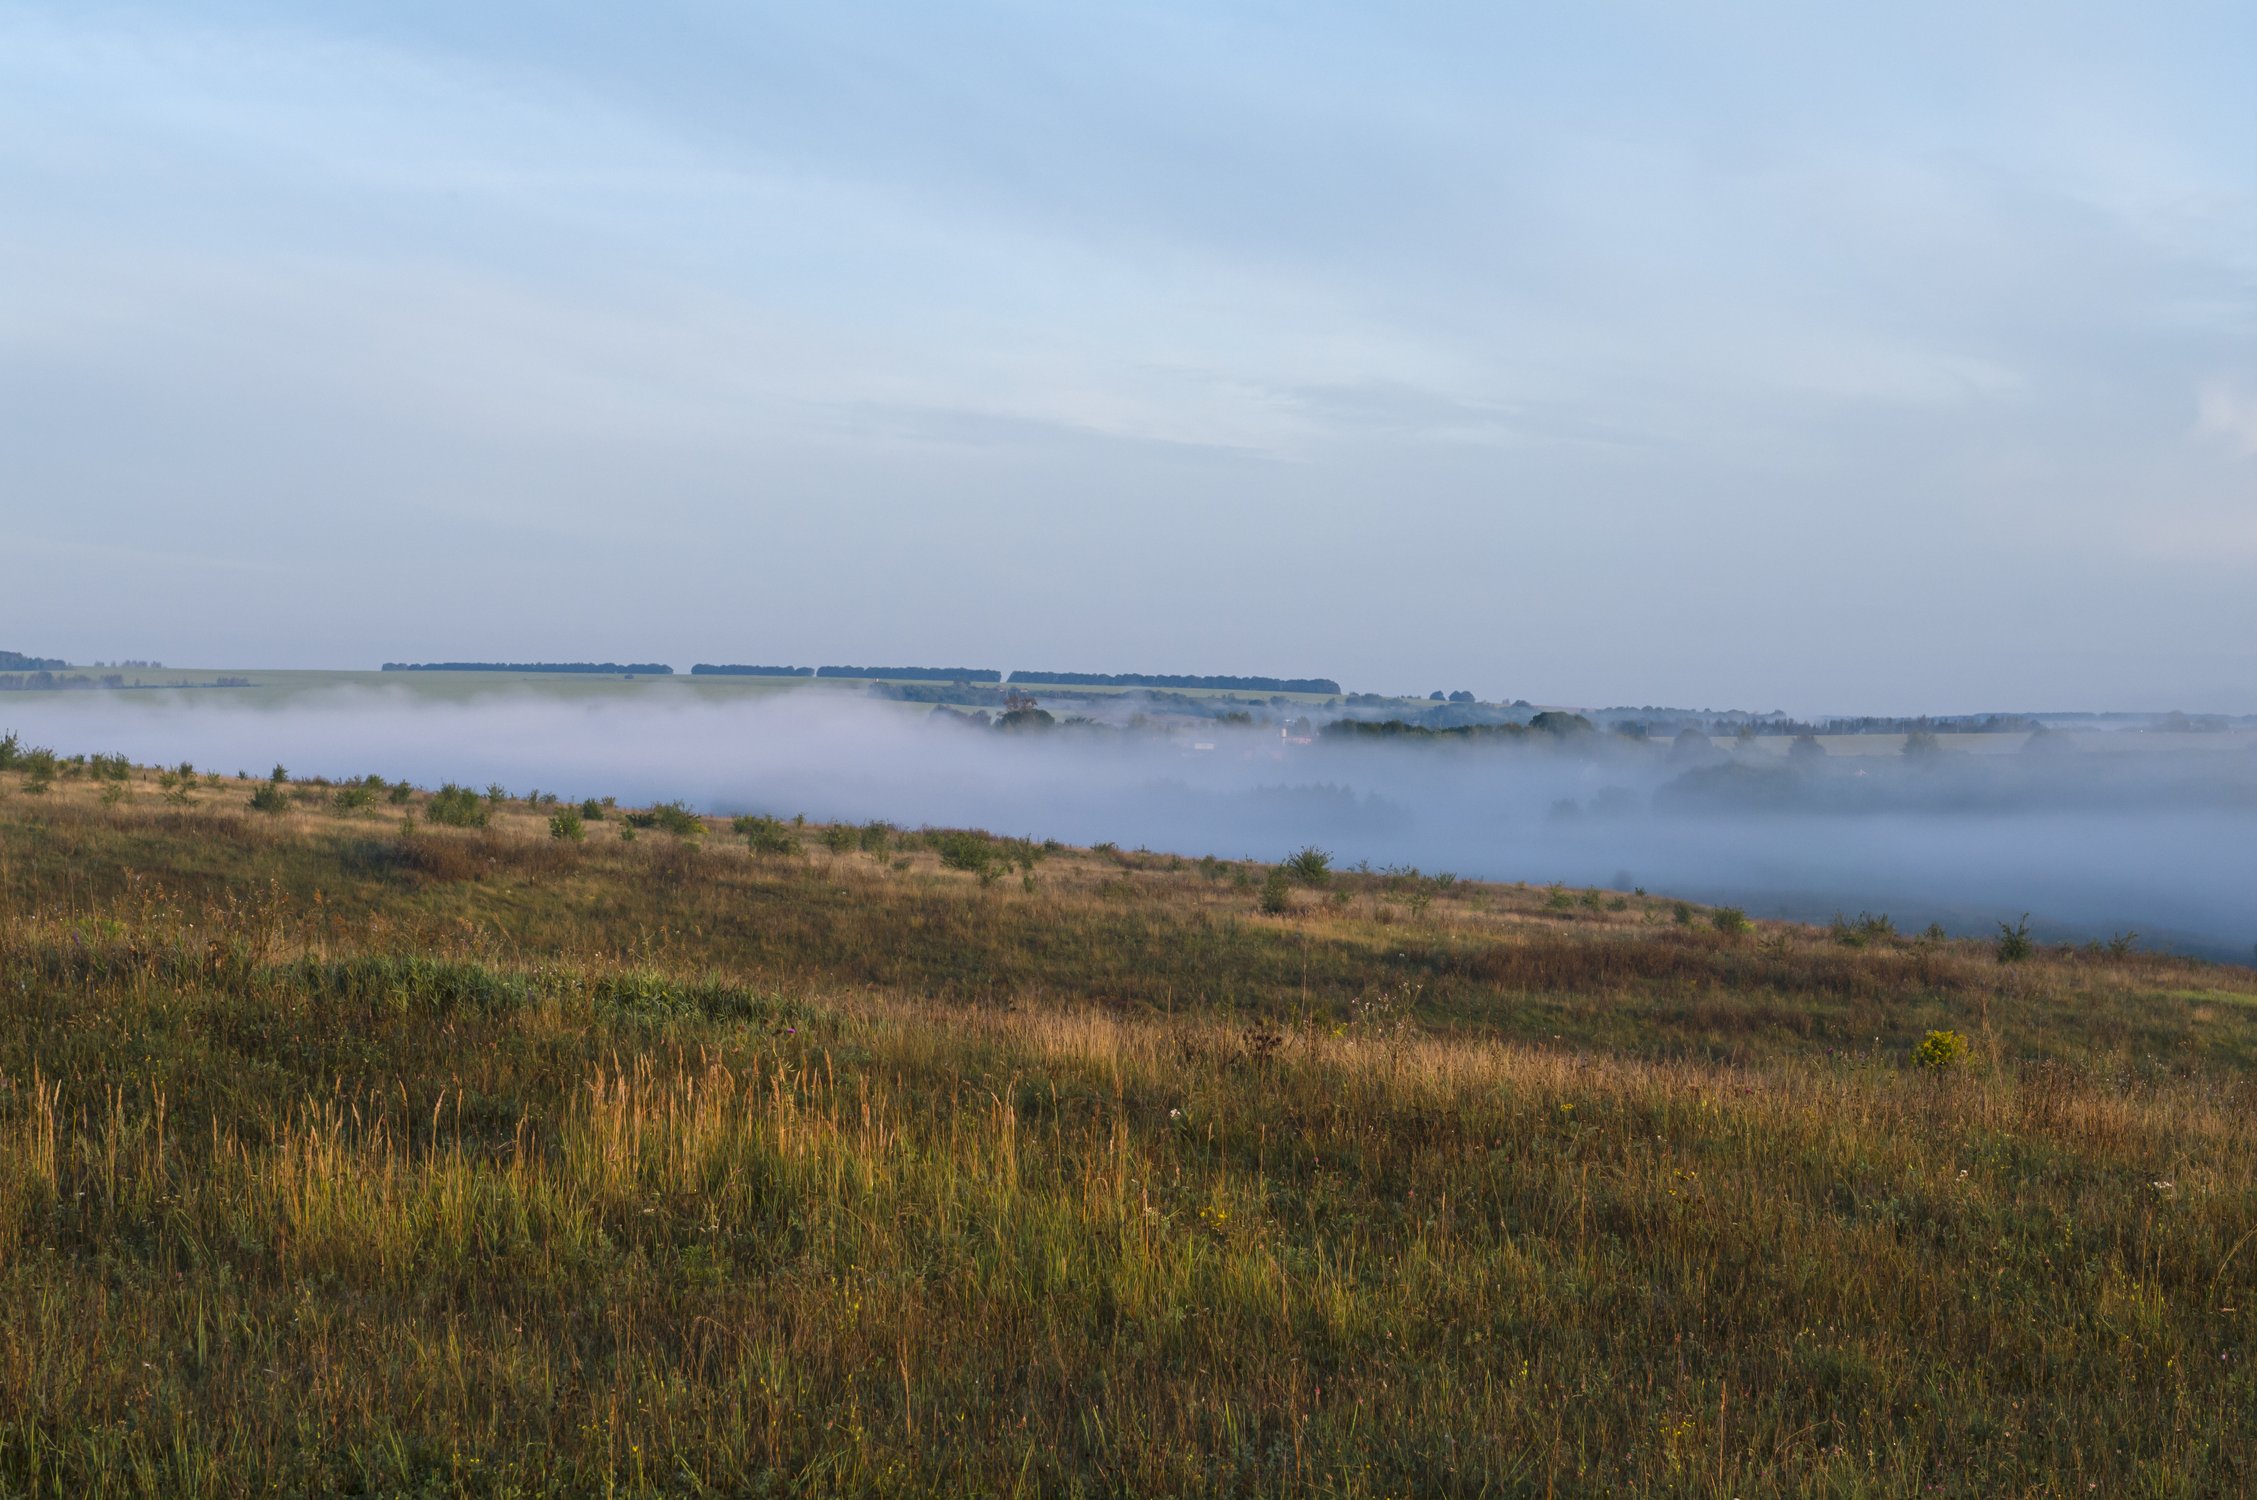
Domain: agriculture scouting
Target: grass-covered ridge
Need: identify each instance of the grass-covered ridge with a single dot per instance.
(342, 1153)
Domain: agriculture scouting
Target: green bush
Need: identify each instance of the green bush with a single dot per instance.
(669, 817)
(39, 767)
(1277, 893)
(764, 835)
(457, 807)
(1729, 920)
(568, 826)
(1309, 866)
(965, 849)
(840, 839)
(352, 798)
(591, 811)
(1940, 1049)
(268, 797)
(2014, 943)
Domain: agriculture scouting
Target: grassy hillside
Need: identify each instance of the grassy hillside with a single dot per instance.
(340, 1151)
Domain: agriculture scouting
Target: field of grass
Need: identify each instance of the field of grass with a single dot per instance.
(344, 1152)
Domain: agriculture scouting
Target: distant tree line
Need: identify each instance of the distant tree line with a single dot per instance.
(46, 682)
(607, 668)
(1548, 723)
(916, 674)
(1170, 680)
(16, 661)
(710, 669)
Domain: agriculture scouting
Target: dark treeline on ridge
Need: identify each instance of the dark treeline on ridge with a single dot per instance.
(633, 668)
(1548, 722)
(916, 674)
(1173, 680)
(16, 661)
(732, 669)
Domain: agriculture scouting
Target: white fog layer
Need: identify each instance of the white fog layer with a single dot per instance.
(2090, 842)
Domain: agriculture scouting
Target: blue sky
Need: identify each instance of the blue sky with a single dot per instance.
(1736, 354)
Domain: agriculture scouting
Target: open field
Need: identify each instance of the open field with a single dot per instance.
(343, 1151)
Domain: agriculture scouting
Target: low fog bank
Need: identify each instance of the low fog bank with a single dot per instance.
(2089, 844)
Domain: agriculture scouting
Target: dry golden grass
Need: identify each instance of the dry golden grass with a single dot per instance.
(337, 1158)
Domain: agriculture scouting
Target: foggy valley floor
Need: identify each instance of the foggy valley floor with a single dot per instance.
(2107, 833)
(342, 1150)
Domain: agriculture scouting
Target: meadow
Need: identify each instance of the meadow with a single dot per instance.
(359, 1140)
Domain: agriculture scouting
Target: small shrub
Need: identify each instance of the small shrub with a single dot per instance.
(668, 817)
(11, 750)
(2014, 943)
(764, 835)
(1940, 1049)
(568, 826)
(840, 839)
(400, 794)
(1277, 893)
(351, 798)
(1683, 912)
(591, 811)
(2120, 946)
(1309, 866)
(1729, 920)
(268, 797)
(964, 849)
(874, 838)
(278, 775)
(456, 806)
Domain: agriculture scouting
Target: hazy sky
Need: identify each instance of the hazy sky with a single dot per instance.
(1771, 356)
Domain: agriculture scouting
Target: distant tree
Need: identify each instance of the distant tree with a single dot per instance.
(1020, 712)
(1806, 747)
